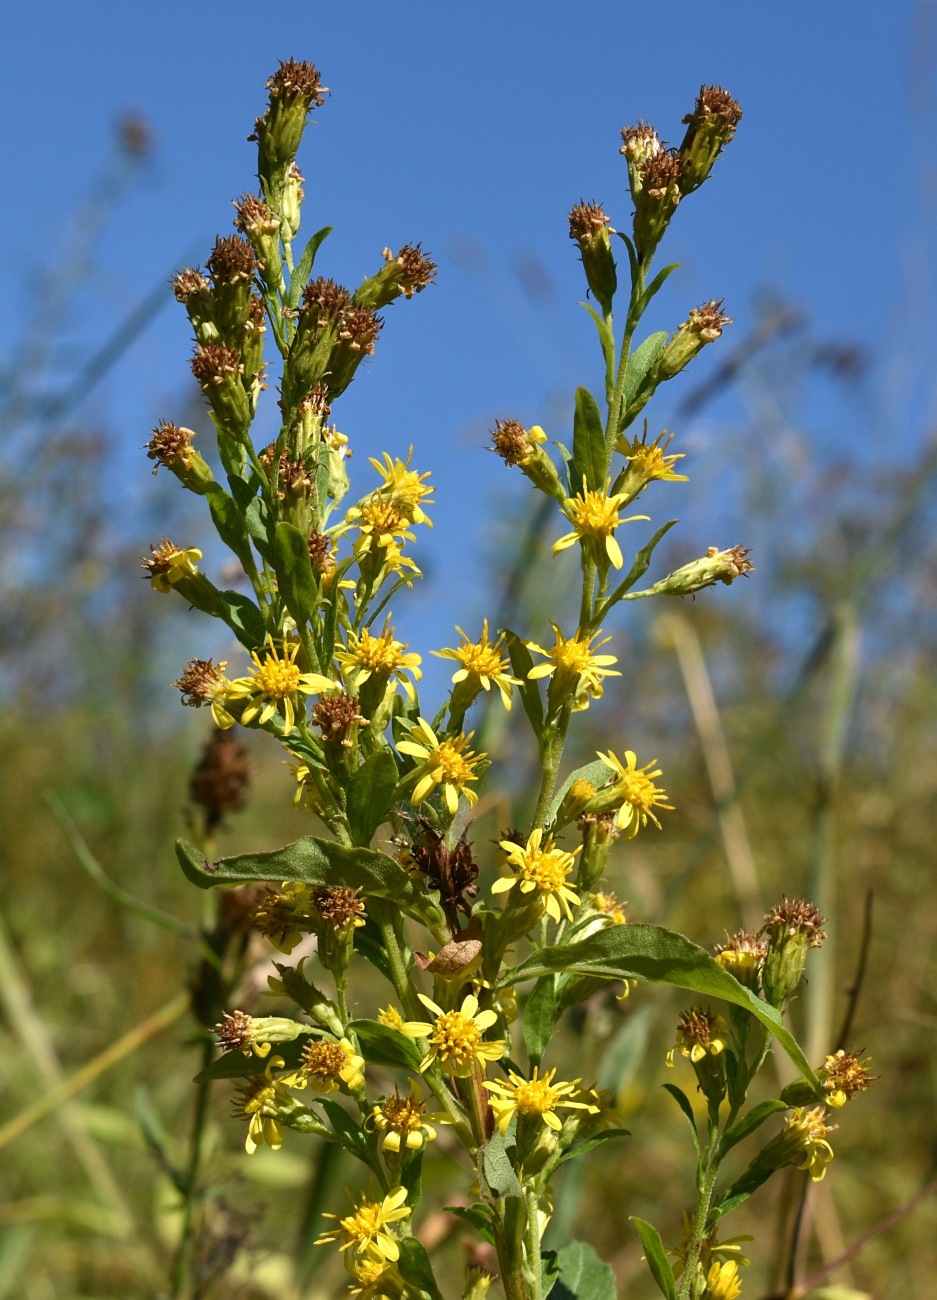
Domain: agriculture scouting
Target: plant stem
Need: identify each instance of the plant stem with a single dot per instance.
(181, 1268)
(699, 1226)
(533, 1245)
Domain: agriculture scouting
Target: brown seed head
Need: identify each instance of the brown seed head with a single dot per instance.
(640, 142)
(708, 321)
(360, 328)
(294, 478)
(320, 553)
(735, 563)
(698, 1026)
(234, 1032)
(160, 555)
(221, 779)
(170, 444)
(232, 259)
(211, 362)
(416, 269)
(187, 282)
(510, 441)
(294, 79)
(317, 401)
(514, 835)
(716, 107)
(795, 917)
(586, 220)
(844, 1072)
(661, 174)
(326, 299)
(256, 317)
(254, 217)
(323, 1059)
(743, 942)
(338, 907)
(336, 715)
(276, 917)
(201, 681)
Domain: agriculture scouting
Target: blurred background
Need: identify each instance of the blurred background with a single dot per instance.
(794, 715)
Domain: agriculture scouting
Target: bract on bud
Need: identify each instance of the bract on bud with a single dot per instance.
(599, 833)
(232, 266)
(703, 325)
(710, 127)
(405, 274)
(294, 90)
(715, 566)
(791, 930)
(193, 291)
(291, 202)
(591, 229)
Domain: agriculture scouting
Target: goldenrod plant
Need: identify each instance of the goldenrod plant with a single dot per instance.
(463, 1033)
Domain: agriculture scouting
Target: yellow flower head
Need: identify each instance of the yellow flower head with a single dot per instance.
(741, 955)
(327, 1064)
(168, 564)
(540, 866)
(262, 1101)
(608, 904)
(699, 1032)
(534, 1096)
(380, 656)
(711, 1250)
(404, 487)
(640, 796)
(203, 682)
(843, 1076)
(807, 1130)
(276, 684)
(284, 918)
(594, 516)
(448, 763)
(649, 460)
(403, 1123)
(367, 1273)
(365, 1230)
(456, 1038)
(575, 663)
(380, 521)
(723, 1281)
(390, 1017)
(482, 662)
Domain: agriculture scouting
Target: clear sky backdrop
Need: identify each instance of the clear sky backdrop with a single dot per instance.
(474, 128)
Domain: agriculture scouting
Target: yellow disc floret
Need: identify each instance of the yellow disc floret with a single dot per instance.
(276, 684)
(482, 662)
(382, 656)
(456, 1038)
(576, 666)
(534, 1096)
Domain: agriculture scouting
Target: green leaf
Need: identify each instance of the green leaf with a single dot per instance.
(657, 1260)
(381, 1045)
(598, 773)
(370, 795)
(229, 522)
(415, 1268)
(655, 286)
(740, 1191)
(477, 1216)
(539, 1018)
(638, 569)
(522, 662)
(590, 1144)
(748, 1124)
(235, 1065)
(683, 1102)
(589, 440)
(632, 254)
(494, 1166)
(411, 1176)
(352, 1136)
(258, 521)
(624, 1054)
(294, 573)
(606, 337)
(649, 952)
(243, 618)
(300, 277)
(573, 481)
(639, 365)
(370, 946)
(581, 1275)
(549, 1269)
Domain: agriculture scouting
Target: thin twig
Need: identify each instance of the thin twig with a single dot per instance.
(854, 992)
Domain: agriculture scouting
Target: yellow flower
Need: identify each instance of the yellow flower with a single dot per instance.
(262, 1100)
(284, 918)
(648, 460)
(326, 1065)
(365, 1230)
(481, 663)
(276, 683)
(168, 564)
(544, 869)
(594, 516)
(368, 1273)
(808, 1130)
(449, 763)
(456, 1038)
(404, 487)
(639, 793)
(402, 1121)
(699, 1032)
(607, 903)
(391, 1018)
(575, 664)
(380, 657)
(381, 522)
(723, 1281)
(534, 1096)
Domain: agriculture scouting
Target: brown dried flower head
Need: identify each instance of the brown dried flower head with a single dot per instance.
(321, 555)
(511, 441)
(715, 108)
(734, 563)
(844, 1075)
(586, 220)
(256, 317)
(701, 1028)
(254, 217)
(338, 907)
(415, 269)
(661, 175)
(294, 478)
(640, 143)
(280, 918)
(232, 259)
(187, 282)
(234, 1032)
(360, 328)
(212, 362)
(294, 79)
(452, 871)
(323, 1059)
(793, 918)
(201, 681)
(220, 781)
(170, 444)
(337, 715)
(326, 300)
(708, 321)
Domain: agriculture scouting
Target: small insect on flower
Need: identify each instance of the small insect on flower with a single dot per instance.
(575, 664)
(844, 1075)
(404, 488)
(263, 1100)
(326, 1065)
(402, 1121)
(203, 682)
(594, 516)
(534, 1096)
(381, 657)
(456, 1038)
(480, 663)
(276, 684)
(365, 1230)
(542, 867)
(699, 1032)
(640, 796)
(168, 564)
(448, 763)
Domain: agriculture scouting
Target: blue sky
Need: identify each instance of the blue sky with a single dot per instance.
(474, 128)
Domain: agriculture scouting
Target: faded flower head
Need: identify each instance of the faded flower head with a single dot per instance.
(843, 1076)
(699, 1031)
(168, 564)
(170, 445)
(220, 779)
(295, 79)
(513, 443)
(453, 872)
(586, 220)
(741, 955)
(284, 918)
(232, 259)
(708, 321)
(640, 143)
(327, 1064)
(339, 908)
(339, 718)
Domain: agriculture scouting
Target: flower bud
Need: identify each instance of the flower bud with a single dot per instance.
(262, 228)
(715, 566)
(292, 983)
(477, 1282)
(192, 290)
(792, 929)
(406, 274)
(295, 89)
(599, 833)
(218, 370)
(171, 445)
(710, 127)
(232, 266)
(704, 325)
(591, 229)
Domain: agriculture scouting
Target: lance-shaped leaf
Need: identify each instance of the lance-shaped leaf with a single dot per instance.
(381, 1045)
(521, 663)
(590, 1144)
(589, 440)
(300, 276)
(638, 569)
(317, 862)
(370, 795)
(649, 952)
(656, 1257)
(581, 1275)
(295, 579)
(496, 1170)
(636, 372)
(539, 1018)
(243, 618)
(415, 1269)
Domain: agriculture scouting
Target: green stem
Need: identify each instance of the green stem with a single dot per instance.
(631, 324)
(699, 1226)
(181, 1266)
(533, 1275)
(588, 585)
(508, 1246)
